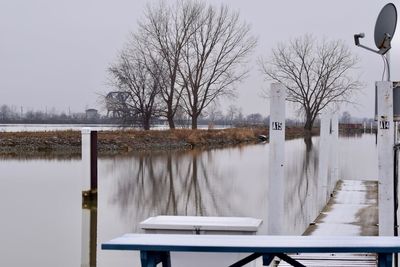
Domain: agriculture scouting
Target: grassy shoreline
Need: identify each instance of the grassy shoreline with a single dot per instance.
(68, 143)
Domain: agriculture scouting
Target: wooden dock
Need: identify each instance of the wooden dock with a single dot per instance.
(351, 211)
(341, 248)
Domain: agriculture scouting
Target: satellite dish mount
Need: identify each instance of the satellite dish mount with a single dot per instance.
(383, 48)
(385, 27)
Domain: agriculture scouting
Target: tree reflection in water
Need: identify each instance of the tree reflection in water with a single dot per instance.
(170, 183)
(218, 182)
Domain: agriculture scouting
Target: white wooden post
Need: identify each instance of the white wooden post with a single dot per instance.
(276, 159)
(385, 140)
(85, 148)
(323, 158)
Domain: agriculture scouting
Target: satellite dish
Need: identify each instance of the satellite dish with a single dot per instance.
(385, 27)
(384, 30)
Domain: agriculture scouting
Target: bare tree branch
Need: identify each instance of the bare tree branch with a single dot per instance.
(138, 77)
(213, 58)
(167, 30)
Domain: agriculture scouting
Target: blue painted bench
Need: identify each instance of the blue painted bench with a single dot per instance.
(156, 248)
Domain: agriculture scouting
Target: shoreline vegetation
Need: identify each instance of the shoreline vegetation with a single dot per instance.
(67, 144)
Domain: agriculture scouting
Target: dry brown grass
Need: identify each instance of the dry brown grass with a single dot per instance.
(133, 140)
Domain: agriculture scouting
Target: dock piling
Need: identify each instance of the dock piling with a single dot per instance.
(323, 159)
(276, 158)
(385, 142)
(89, 164)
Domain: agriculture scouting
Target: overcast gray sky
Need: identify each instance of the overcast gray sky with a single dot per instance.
(55, 53)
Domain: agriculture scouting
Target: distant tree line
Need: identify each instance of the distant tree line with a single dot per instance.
(182, 58)
(213, 117)
(12, 114)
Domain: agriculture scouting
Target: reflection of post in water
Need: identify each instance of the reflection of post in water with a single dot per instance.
(89, 234)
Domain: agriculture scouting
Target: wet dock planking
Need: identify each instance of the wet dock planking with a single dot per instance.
(351, 211)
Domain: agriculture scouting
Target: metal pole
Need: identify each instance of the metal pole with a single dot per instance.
(276, 187)
(388, 65)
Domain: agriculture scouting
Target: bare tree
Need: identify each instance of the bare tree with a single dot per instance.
(181, 118)
(167, 30)
(346, 117)
(5, 112)
(254, 119)
(214, 115)
(213, 58)
(138, 78)
(232, 113)
(315, 75)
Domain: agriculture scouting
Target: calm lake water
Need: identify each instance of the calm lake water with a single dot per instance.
(78, 127)
(43, 222)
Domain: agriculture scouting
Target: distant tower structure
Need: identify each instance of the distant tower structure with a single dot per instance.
(91, 114)
(116, 104)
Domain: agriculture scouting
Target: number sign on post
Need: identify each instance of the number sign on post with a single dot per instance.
(277, 126)
(384, 125)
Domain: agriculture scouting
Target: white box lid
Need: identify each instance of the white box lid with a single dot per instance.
(201, 223)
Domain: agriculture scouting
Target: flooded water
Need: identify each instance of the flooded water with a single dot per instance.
(56, 127)
(43, 222)
(78, 127)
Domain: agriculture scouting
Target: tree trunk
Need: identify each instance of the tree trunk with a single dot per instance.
(146, 126)
(170, 116)
(146, 122)
(171, 122)
(308, 126)
(194, 122)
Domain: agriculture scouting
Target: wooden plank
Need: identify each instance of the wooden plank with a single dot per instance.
(255, 243)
